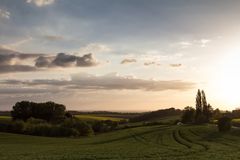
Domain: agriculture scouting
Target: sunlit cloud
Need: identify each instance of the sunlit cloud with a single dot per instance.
(41, 3)
(4, 14)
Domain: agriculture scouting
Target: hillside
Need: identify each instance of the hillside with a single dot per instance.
(170, 113)
(152, 142)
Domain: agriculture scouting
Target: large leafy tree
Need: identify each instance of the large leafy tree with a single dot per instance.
(48, 111)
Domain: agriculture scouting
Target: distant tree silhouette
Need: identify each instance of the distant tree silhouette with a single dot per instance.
(198, 115)
(188, 115)
(203, 109)
(216, 114)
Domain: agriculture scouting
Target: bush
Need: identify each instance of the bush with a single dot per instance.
(83, 128)
(36, 121)
(16, 127)
(224, 124)
(188, 115)
(37, 129)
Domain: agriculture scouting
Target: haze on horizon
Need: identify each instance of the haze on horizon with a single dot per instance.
(119, 55)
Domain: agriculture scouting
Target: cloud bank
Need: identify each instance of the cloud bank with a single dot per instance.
(105, 82)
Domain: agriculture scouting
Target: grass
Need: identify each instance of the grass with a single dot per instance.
(5, 119)
(161, 142)
(96, 117)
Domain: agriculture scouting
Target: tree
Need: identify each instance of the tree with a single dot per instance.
(188, 115)
(48, 111)
(216, 114)
(224, 124)
(204, 103)
(198, 115)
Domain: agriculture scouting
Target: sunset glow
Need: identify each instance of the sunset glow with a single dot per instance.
(92, 55)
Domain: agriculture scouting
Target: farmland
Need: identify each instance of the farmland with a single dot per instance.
(97, 117)
(149, 142)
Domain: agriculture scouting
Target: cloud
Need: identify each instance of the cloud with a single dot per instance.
(15, 45)
(10, 91)
(14, 61)
(126, 61)
(8, 56)
(4, 14)
(66, 60)
(53, 37)
(41, 3)
(16, 68)
(204, 42)
(176, 65)
(107, 82)
(42, 61)
(86, 60)
(95, 48)
(151, 63)
(185, 44)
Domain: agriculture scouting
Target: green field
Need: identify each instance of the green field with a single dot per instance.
(152, 142)
(97, 117)
(5, 119)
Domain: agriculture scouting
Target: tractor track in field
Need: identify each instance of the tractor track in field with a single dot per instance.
(178, 139)
(206, 147)
(212, 141)
(159, 140)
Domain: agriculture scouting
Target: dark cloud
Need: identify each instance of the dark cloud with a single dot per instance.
(9, 57)
(176, 65)
(151, 63)
(42, 61)
(86, 60)
(108, 82)
(16, 68)
(66, 60)
(125, 61)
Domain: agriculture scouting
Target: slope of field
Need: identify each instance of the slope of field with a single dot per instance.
(171, 114)
(97, 117)
(152, 142)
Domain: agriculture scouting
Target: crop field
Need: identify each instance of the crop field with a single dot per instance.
(97, 117)
(150, 142)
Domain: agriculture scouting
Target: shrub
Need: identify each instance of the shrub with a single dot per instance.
(83, 128)
(224, 124)
(16, 127)
(36, 121)
(188, 115)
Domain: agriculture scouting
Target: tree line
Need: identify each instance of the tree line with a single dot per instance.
(51, 119)
(201, 114)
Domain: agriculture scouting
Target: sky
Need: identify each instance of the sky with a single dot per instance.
(120, 55)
